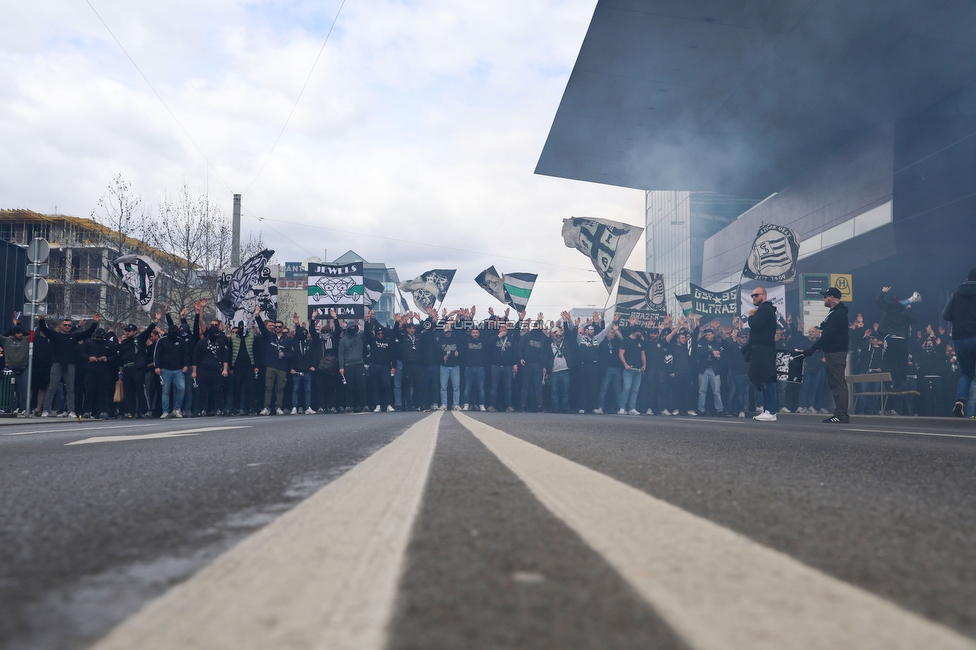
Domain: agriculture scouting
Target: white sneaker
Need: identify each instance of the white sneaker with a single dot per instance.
(72, 414)
(621, 412)
(785, 410)
(482, 407)
(765, 416)
(633, 412)
(649, 412)
(279, 412)
(294, 410)
(692, 414)
(801, 410)
(442, 407)
(464, 408)
(824, 412)
(164, 416)
(456, 408)
(742, 414)
(265, 412)
(597, 411)
(309, 411)
(46, 414)
(389, 408)
(377, 409)
(177, 413)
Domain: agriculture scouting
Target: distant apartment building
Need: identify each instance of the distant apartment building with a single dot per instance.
(79, 279)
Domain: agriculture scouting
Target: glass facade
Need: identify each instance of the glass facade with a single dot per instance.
(677, 223)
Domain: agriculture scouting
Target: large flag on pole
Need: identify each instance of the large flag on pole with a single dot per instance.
(374, 290)
(774, 254)
(641, 292)
(685, 301)
(241, 281)
(490, 281)
(138, 275)
(518, 288)
(429, 288)
(608, 244)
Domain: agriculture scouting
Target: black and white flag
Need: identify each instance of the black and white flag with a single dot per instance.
(490, 281)
(641, 292)
(774, 254)
(233, 290)
(372, 290)
(138, 275)
(518, 289)
(608, 244)
(429, 288)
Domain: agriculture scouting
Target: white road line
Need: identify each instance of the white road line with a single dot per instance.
(72, 429)
(716, 588)
(915, 433)
(151, 436)
(323, 575)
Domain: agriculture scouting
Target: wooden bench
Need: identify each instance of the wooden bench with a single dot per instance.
(875, 378)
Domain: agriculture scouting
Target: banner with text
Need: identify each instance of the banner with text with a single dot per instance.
(336, 286)
(714, 303)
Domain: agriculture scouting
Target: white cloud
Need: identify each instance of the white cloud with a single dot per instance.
(422, 122)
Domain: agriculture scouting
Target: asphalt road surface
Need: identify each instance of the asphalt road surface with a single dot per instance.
(481, 530)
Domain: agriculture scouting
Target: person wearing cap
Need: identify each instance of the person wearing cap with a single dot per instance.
(98, 353)
(835, 342)
(15, 353)
(132, 357)
(410, 348)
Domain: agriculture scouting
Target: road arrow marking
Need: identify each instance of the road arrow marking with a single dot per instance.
(151, 436)
(716, 588)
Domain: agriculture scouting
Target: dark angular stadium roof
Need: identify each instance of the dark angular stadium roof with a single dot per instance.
(741, 96)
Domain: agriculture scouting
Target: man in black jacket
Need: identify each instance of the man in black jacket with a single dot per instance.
(64, 344)
(761, 351)
(961, 312)
(835, 342)
(132, 353)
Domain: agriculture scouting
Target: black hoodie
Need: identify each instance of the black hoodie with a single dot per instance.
(835, 333)
(961, 311)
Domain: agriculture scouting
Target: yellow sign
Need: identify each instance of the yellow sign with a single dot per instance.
(844, 282)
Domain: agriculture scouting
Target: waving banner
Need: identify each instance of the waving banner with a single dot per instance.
(608, 244)
(138, 275)
(490, 281)
(641, 294)
(518, 289)
(774, 254)
(237, 287)
(336, 286)
(428, 289)
(715, 303)
(263, 293)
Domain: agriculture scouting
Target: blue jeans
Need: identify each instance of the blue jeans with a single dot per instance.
(559, 382)
(966, 356)
(628, 396)
(810, 386)
(398, 386)
(173, 378)
(738, 393)
(706, 379)
(612, 377)
(502, 375)
(452, 373)
(296, 382)
(474, 378)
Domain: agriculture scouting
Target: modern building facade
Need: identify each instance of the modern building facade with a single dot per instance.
(852, 123)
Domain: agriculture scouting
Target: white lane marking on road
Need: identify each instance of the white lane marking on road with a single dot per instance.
(915, 433)
(323, 575)
(716, 588)
(177, 433)
(72, 429)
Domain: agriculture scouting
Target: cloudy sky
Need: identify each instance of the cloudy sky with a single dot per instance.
(421, 124)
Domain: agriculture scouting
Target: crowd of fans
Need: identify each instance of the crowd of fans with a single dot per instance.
(674, 367)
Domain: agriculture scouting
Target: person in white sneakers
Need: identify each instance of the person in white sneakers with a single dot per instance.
(760, 352)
